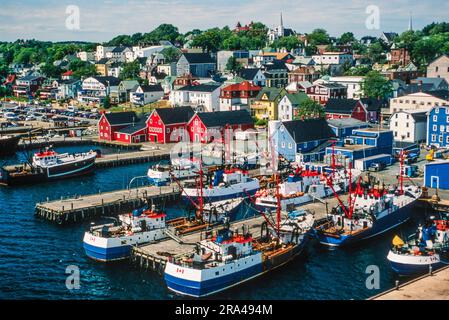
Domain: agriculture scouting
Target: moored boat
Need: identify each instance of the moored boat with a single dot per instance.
(111, 242)
(8, 145)
(161, 175)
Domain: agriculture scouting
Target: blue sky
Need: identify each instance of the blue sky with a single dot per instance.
(101, 20)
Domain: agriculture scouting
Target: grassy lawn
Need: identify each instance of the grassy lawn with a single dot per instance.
(138, 109)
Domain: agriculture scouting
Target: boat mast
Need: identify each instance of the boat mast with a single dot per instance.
(278, 206)
(401, 172)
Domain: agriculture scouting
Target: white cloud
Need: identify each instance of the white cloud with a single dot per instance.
(100, 21)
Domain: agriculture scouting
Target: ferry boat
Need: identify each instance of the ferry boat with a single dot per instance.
(422, 249)
(59, 166)
(304, 186)
(161, 175)
(110, 242)
(225, 184)
(8, 145)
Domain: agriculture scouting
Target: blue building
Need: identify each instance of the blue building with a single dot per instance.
(436, 175)
(372, 144)
(438, 126)
(344, 127)
(306, 139)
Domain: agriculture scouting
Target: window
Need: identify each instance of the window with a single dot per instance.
(447, 139)
(290, 145)
(283, 144)
(434, 137)
(407, 125)
(395, 133)
(396, 124)
(408, 134)
(437, 110)
(434, 127)
(440, 138)
(435, 118)
(168, 130)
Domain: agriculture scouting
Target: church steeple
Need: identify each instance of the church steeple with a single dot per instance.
(282, 22)
(410, 23)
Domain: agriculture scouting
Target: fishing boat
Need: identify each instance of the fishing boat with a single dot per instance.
(112, 242)
(219, 211)
(304, 186)
(8, 145)
(47, 166)
(229, 257)
(226, 184)
(161, 175)
(65, 165)
(421, 250)
(367, 213)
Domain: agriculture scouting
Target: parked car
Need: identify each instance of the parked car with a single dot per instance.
(377, 166)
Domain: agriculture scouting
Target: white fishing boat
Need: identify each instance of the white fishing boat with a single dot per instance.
(180, 169)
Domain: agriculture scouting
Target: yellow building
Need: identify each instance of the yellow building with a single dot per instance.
(265, 106)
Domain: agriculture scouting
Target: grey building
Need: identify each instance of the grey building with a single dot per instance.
(197, 64)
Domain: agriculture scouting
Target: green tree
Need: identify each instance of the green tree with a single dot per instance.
(347, 37)
(319, 37)
(162, 32)
(233, 65)
(171, 54)
(375, 85)
(107, 102)
(376, 53)
(51, 71)
(289, 43)
(130, 71)
(82, 68)
(310, 109)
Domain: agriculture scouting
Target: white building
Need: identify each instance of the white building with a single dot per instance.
(409, 126)
(86, 56)
(353, 83)
(146, 94)
(332, 58)
(419, 101)
(289, 104)
(204, 97)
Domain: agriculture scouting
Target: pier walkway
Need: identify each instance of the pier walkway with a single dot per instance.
(103, 204)
(427, 287)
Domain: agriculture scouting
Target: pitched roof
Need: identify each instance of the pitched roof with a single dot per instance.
(345, 106)
(309, 130)
(102, 61)
(248, 73)
(116, 118)
(372, 104)
(297, 98)
(152, 88)
(222, 118)
(346, 123)
(275, 65)
(272, 93)
(442, 94)
(175, 115)
(201, 87)
(137, 126)
(111, 81)
(435, 82)
(243, 86)
(198, 58)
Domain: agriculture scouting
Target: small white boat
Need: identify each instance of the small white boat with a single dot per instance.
(160, 174)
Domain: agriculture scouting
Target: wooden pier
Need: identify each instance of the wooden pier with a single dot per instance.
(127, 158)
(432, 286)
(75, 210)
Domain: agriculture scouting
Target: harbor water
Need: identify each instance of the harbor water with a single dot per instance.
(34, 254)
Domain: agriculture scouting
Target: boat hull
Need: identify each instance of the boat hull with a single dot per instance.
(386, 223)
(8, 146)
(219, 196)
(202, 285)
(408, 265)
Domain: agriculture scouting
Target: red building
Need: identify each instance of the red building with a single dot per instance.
(207, 127)
(134, 133)
(346, 108)
(303, 73)
(400, 56)
(166, 125)
(110, 123)
(237, 94)
(325, 91)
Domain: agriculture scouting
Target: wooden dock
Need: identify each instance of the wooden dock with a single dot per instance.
(127, 158)
(428, 287)
(103, 204)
